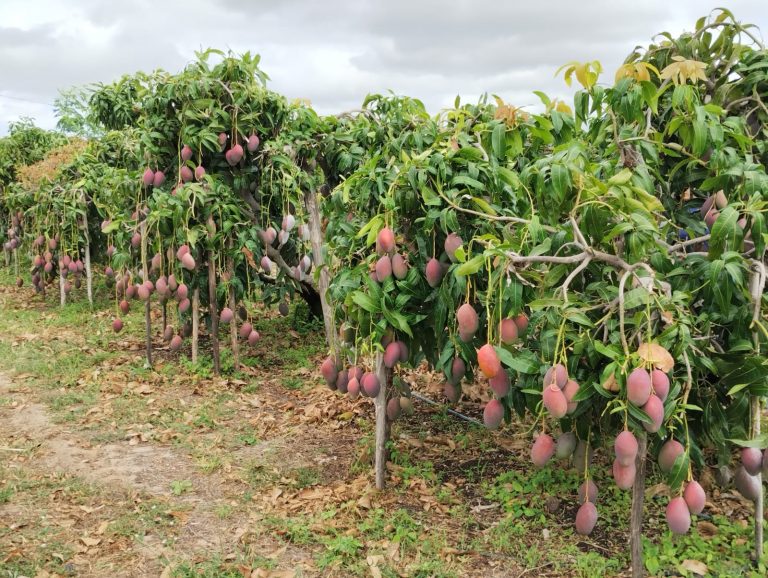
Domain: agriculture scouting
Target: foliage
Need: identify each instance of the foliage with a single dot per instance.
(589, 219)
(626, 230)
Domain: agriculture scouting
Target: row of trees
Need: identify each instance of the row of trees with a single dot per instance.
(601, 264)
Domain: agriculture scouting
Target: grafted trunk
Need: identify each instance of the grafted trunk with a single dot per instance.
(195, 323)
(382, 425)
(147, 311)
(307, 289)
(212, 306)
(88, 272)
(233, 307)
(318, 300)
(62, 294)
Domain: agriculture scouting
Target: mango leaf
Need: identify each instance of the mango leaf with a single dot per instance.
(636, 297)
(561, 180)
(509, 176)
(398, 321)
(521, 361)
(537, 304)
(468, 182)
(470, 267)
(679, 472)
(579, 317)
(748, 373)
(499, 141)
(607, 350)
(620, 178)
(760, 442)
(638, 413)
(374, 224)
(484, 207)
(365, 302)
(726, 233)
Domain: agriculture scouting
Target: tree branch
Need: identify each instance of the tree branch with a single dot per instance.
(572, 276)
(269, 250)
(501, 218)
(682, 245)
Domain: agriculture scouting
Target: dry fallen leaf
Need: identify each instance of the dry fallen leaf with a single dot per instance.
(698, 568)
(706, 529)
(91, 541)
(364, 502)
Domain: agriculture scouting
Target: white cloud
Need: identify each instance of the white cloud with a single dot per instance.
(332, 52)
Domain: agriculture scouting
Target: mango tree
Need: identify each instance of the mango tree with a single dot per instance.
(602, 265)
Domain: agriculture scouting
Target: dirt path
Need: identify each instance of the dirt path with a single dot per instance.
(125, 469)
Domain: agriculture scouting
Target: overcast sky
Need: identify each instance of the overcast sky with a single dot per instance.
(332, 52)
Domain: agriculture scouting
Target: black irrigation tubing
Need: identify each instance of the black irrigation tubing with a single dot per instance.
(447, 409)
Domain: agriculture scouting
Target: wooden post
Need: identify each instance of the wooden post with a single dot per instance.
(145, 277)
(212, 306)
(636, 515)
(233, 307)
(323, 278)
(382, 425)
(88, 272)
(195, 322)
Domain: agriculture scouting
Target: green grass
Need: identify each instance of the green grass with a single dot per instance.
(306, 477)
(727, 553)
(179, 487)
(219, 566)
(148, 516)
(339, 543)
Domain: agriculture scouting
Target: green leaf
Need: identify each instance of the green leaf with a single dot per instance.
(636, 297)
(726, 233)
(618, 229)
(579, 317)
(621, 178)
(468, 182)
(679, 472)
(398, 321)
(561, 180)
(375, 224)
(760, 442)
(521, 361)
(638, 414)
(736, 389)
(499, 141)
(470, 267)
(484, 207)
(365, 302)
(537, 304)
(608, 351)
(509, 176)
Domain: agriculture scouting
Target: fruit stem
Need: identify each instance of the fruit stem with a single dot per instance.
(586, 456)
(489, 332)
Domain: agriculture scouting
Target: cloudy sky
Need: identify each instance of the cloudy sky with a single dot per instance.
(332, 52)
